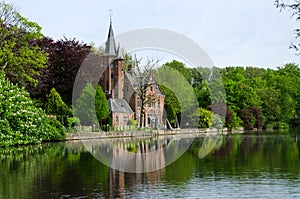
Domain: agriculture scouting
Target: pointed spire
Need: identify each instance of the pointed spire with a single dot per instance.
(110, 44)
(119, 52)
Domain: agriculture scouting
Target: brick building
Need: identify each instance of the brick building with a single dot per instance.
(123, 100)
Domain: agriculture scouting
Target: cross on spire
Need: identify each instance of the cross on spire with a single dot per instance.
(110, 14)
(110, 45)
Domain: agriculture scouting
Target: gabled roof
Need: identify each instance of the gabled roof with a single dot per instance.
(110, 44)
(133, 83)
(119, 106)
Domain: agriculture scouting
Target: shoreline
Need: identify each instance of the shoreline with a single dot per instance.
(153, 133)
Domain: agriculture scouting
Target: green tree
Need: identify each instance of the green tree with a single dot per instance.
(171, 104)
(200, 85)
(56, 106)
(240, 91)
(232, 120)
(19, 52)
(181, 68)
(279, 93)
(84, 107)
(180, 99)
(101, 105)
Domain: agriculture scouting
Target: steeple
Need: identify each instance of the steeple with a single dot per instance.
(119, 53)
(110, 44)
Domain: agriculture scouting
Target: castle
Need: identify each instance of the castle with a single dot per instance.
(123, 100)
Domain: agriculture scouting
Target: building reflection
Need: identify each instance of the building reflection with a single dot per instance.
(135, 155)
(136, 161)
(121, 183)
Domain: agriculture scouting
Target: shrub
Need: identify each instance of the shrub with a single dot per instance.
(20, 121)
(204, 118)
(132, 122)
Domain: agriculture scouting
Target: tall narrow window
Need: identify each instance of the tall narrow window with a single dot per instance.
(106, 87)
(117, 120)
(125, 120)
(138, 103)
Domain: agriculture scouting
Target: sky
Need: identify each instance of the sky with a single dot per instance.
(232, 32)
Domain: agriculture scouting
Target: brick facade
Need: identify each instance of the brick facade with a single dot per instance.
(123, 100)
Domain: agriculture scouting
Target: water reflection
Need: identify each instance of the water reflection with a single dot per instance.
(138, 155)
(251, 165)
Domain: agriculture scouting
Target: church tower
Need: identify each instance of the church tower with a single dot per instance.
(120, 92)
(114, 63)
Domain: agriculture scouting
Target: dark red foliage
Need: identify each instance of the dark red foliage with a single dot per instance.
(65, 57)
(228, 118)
(251, 114)
(257, 115)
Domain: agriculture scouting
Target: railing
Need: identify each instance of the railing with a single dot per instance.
(98, 128)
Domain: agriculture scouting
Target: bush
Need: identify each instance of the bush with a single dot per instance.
(232, 120)
(280, 125)
(20, 121)
(132, 122)
(204, 118)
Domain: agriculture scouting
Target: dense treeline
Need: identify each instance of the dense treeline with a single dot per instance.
(255, 97)
(273, 95)
(263, 97)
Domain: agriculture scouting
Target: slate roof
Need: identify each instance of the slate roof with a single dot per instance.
(110, 44)
(119, 106)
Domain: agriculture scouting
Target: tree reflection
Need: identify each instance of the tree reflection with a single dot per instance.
(58, 170)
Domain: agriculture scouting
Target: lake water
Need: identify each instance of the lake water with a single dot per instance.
(260, 165)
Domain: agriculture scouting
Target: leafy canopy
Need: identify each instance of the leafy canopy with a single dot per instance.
(19, 52)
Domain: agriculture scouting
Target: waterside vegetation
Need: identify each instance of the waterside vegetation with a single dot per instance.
(37, 75)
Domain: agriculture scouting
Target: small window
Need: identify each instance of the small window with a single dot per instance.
(125, 120)
(138, 103)
(117, 120)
